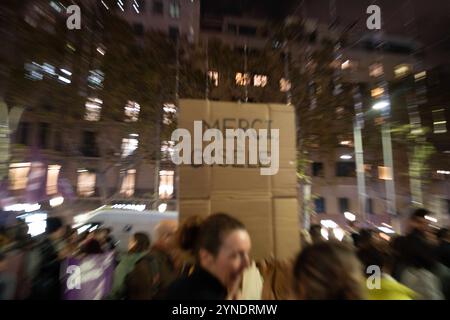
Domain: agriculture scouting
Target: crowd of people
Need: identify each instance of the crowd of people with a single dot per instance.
(210, 258)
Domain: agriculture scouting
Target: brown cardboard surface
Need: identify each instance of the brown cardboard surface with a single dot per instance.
(267, 205)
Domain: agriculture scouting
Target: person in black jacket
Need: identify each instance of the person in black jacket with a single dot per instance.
(46, 284)
(221, 245)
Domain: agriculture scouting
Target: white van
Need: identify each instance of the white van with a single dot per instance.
(123, 223)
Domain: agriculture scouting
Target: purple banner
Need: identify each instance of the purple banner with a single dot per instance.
(89, 278)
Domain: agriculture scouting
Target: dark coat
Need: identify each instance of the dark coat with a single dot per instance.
(200, 285)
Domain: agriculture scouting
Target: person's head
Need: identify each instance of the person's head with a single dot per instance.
(93, 246)
(364, 239)
(417, 221)
(165, 233)
(139, 242)
(101, 235)
(55, 228)
(328, 271)
(221, 245)
(315, 233)
(377, 254)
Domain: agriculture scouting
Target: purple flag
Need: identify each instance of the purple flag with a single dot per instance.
(89, 278)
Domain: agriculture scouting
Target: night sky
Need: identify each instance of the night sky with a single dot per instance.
(432, 17)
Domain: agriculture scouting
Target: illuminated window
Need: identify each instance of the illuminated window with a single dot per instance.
(242, 79)
(376, 70)
(52, 179)
(174, 9)
(259, 80)
(414, 119)
(420, 76)
(214, 77)
(86, 183)
(170, 111)
(384, 173)
(402, 70)
(166, 179)
(96, 78)
(377, 92)
(132, 110)
(167, 149)
(93, 109)
(285, 85)
(18, 175)
(439, 121)
(128, 183)
(129, 145)
(349, 65)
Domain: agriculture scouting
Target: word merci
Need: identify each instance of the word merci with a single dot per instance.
(213, 153)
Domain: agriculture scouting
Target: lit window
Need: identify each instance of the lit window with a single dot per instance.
(167, 149)
(377, 92)
(259, 80)
(86, 183)
(174, 9)
(166, 179)
(420, 76)
(18, 175)
(439, 121)
(95, 79)
(93, 109)
(376, 70)
(52, 179)
(129, 145)
(285, 85)
(242, 79)
(132, 110)
(170, 111)
(415, 122)
(214, 77)
(128, 183)
(384, 173)
(402, 70)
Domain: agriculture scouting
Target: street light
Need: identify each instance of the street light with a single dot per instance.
(346, 157)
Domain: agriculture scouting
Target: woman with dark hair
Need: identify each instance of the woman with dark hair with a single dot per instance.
(328, 271)
(221, 247)
(138, 247)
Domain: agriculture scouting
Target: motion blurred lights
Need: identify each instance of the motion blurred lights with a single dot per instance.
(27, 207)
(120, 4)
(329, 224)
(420, 76)
(384, 236)
(55, 202)
(136, 6)
(104, 4)
(345, 157)
(443, 172)
(381, 105)
(101, 51)
(67, 72)
(338, 233)
(434, 220)
(162, 207)
(65, 80)
(386, 230)
(134, 207)
(36, 223)
(345, 143)
(324, 233)
(349, 216)
(377, 92)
